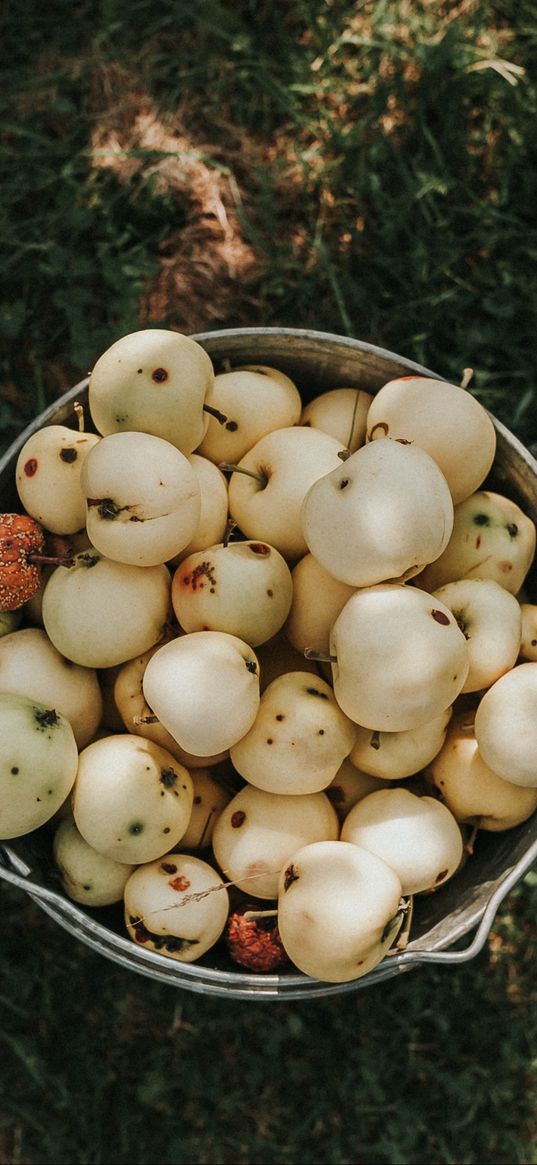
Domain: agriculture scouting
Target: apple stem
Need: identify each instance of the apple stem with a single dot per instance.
(466, 377)
(79, 410)
(51, 559)
(319, 656)
(469, 847)
(253, 915)
(406, 908)
(218, 416)
(226, 467)
(230, 528)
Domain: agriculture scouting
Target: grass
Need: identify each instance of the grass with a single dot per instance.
(361, 168)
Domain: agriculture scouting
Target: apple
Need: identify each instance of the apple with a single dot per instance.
(506, 725)
(177, 905)
(492, 538)
(267, 489)
(348, 787)
(339, 910)
(211, 795)
(136, 715)
(38, 763)
(258, 831)
(417, 836)
(22, 543)
(47, 476)
(276, 656)
(31, 666)
(142, 498)
(244, 588)
(131, 799)
(256, 399)
(528, 637)
(204, 688)
(86, 875)
(491, 622)
(475, 794)
(9, 621)
(317, 600)
(342, 412)
(399, 658)
(298, 739)
(381, 515)
(443, 419)
(393, 756)
(99, 612)
(213, 519)
(154, 381)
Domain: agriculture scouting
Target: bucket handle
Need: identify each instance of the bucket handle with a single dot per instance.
(405, 959)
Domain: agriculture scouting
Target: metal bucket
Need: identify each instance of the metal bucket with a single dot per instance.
(450, 926)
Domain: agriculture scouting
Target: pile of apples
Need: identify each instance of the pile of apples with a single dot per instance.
(266, 667)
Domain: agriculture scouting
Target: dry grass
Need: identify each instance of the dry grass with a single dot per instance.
(206, 265)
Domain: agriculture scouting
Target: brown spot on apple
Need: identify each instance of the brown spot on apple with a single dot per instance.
(440, 617)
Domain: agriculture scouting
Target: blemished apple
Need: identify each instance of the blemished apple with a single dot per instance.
(131, 799)
(492, 537)
(298, 739)
(506, 725)
(256, 400)
(47, 475)
(417, 836)
(339, 910)
(442, 418)
(38, 763)
(86, 875)
(142, 498)
(491, 622)
(381, 515)
(155, 381)
(393, 756)
(284, 464)
(99, 612)
(204, 688)
(399, 658)
(177, 905)
(475, 794)
(31, 666)
(342, 412)
(136, 715)
(528, 637)
(243, 587)
(317, 600)
(258, 831)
